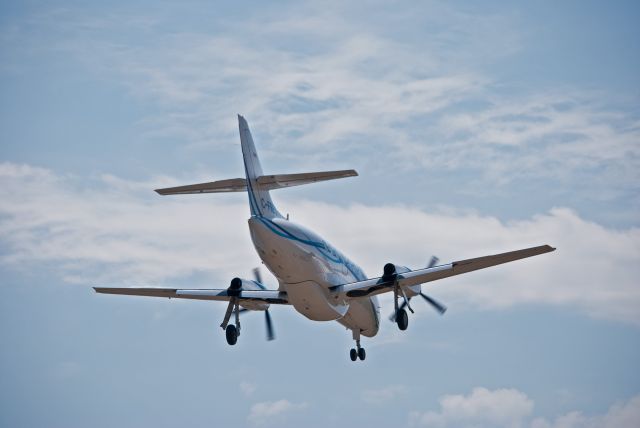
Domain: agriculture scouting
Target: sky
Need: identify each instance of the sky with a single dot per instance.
(476, 128)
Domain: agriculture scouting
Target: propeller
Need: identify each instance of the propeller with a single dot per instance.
(257, 276)
(434, 303)
(267, 317)
(439, 307)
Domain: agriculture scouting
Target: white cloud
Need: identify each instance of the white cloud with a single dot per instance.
(509, 408)
(594, 268)
(482, 408)
(309, 70)
(555, 135)
(270, 412)
(620, 415)
(247, 388)
(109, 230)
(383, 395)
(104, 230)
(311, 77)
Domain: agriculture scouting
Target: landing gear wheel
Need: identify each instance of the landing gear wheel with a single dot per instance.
(353, 354)
(232, 334)
(362, 354)
(402, 319)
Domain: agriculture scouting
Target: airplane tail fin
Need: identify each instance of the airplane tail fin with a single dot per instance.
(259, 198)
(255, 183)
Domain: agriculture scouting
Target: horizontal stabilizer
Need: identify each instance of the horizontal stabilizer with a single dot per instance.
(222, 186)
(266, 182)
(272, 182)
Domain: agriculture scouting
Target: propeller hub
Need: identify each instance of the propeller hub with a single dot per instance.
(389, 269)
(235, 287)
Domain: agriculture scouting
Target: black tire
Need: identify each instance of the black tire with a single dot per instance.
(232, 334)
(402, 319)
(362, 354)
(353, 354)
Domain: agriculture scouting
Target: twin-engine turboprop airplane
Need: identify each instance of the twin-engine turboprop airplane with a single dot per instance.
(318, 280)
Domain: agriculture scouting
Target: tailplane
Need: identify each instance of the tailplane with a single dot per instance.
(255, 182)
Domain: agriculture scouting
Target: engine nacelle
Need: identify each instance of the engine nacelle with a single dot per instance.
(391, 271)
(239, 284)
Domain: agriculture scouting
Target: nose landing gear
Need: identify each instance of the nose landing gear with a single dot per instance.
(358, 351)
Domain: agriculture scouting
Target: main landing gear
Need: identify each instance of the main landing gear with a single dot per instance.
(232, 331)
(358, 351)
(401, 317)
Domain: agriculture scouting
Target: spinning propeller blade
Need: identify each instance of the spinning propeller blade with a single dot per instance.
(267, 316)
(434, 303)
(256, 275)
(270, 334)
(433, 262)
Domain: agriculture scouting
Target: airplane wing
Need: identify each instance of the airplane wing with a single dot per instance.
(266, 296)
(380, 285)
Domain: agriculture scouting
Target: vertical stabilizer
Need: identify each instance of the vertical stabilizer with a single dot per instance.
(259, 199)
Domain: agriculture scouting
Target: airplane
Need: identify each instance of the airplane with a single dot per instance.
(314, 277)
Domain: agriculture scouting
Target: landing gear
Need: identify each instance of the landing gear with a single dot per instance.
(361, 354)
(402, 319)
(232, 334)
(358, 351)
(232, 331)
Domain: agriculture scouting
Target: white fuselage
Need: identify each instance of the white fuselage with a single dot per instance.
(307, 267)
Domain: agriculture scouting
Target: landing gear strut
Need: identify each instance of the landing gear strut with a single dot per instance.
(232, 331)
(358, 351)
(402, 319)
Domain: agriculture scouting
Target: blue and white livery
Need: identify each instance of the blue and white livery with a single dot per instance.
(314, 277)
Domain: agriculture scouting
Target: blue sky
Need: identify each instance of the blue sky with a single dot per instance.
(476, 128)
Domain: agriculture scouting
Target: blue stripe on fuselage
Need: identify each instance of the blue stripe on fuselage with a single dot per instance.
(321, 246)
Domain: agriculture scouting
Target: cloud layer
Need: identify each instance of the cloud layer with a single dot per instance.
(111, 230)
(312, 78)
(510, 408)
(271, 412)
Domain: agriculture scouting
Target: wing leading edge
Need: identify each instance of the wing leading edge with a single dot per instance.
(267, 296)
(380, 285)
